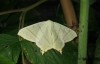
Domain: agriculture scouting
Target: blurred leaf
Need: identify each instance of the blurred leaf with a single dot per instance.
(92, 21)
(12, 24)
(9, 47)
(33, 54)
(8, 6)
(97, 51)
(30, 15)
(4, 60)
(92, 1)
(13, 19)
(60, 16)
(12, 32)
(3, 17)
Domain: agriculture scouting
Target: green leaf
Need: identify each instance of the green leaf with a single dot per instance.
(32, 14)
(9, 47)
(93, 25)
(11, 31)
(97, 51)
(33, 54)
(8, 6)
(14, 18)
(4, 60)
(3, 17)
(92, 1)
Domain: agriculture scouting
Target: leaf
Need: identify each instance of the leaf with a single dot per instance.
(9, 47)
(7, 7)
(11, 31)
(92, 1)
(32, 14)
(4, 60)
(93, 25)
(33, 54)
(14, 18)
(97, 51)
(3, 17)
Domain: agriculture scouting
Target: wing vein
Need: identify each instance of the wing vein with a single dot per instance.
(58, 33)
(66, 33)
(33, 33)
(43, 34)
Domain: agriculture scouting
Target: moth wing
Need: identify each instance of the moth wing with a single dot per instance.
(40, 33)
(44, 36)
(62, 34)
(30, 32)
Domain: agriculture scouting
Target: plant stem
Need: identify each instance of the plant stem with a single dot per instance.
(21, 24)
(22, 58)
(23, 9)
(83, 29)
(22, 18)
(69, 13)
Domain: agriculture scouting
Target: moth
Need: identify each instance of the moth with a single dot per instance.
(48, 35)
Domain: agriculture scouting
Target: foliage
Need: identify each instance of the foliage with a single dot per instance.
(4, 60)
(11, 48)
(33, 54)
(97, 51)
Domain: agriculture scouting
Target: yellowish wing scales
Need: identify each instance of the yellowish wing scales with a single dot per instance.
(48, 35)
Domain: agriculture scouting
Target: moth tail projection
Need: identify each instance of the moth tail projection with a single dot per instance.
(60, 51)
(42, 52)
